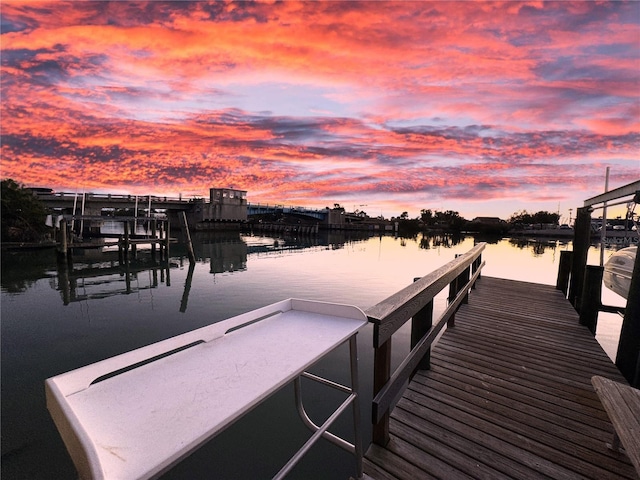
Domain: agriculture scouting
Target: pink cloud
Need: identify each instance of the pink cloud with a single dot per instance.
(429, 99)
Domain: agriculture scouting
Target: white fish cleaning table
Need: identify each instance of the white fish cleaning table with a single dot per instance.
(136, 415)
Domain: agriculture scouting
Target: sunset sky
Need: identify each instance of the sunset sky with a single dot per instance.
(483, 108)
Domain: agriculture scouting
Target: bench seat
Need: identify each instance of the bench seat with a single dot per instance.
(622, 404)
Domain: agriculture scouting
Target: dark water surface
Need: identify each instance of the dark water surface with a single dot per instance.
(55, 320)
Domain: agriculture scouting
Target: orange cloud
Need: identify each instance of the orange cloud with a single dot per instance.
(322, 101)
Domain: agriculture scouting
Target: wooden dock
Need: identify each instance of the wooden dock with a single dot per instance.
(508, 395)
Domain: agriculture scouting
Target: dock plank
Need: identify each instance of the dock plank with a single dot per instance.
(508, 395)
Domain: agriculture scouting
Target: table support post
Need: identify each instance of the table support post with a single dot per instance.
(355, 387)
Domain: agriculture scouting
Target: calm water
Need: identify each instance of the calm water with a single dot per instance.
(55, 320)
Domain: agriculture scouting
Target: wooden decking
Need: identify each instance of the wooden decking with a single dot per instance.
(508, 395)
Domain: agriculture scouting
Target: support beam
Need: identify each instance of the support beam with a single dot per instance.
(624, 191)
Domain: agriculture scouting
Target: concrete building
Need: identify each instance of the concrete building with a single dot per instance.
(225, 205)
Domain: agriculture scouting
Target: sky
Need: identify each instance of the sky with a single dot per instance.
(484, 108)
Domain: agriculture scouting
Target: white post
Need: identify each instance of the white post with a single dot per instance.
(603, 231)
(135, 217)
(84, 197)
(73, 214)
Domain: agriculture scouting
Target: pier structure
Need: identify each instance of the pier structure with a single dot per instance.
(516, 386)
(506, 394)
(157, 236)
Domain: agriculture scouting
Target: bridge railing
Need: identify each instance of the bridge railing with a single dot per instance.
(416, 302)
(259, 208)
(113, 197)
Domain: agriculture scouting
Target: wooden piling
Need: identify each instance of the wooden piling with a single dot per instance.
(63, 244)
(166, 243)
(154, 238)
(591, 300)
(121, 250)
(581, 241)
(160, 239)
(564, 271)
(628, 355)
(125, 243)
(185, 226)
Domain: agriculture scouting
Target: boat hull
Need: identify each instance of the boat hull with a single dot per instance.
(619, 269)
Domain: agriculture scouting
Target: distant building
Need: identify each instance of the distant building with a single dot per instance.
(225, 205)
(488, 220)
(336, 216)
(489, 225)
(228, 204)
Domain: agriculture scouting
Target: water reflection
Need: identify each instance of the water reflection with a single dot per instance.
(93, 274)
(446, 240)
(97, 281)
(537, 247)
(21, 270)
(225, 251)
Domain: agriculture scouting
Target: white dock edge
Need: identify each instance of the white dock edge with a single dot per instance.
(136, 415)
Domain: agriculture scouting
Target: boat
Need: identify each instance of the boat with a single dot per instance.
(619, 269)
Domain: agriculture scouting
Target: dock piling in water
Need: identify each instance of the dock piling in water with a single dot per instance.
(564, 271)
(581, 242)
(591, 301)
(63, 244)
(185, 225)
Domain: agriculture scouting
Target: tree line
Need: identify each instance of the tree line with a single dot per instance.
(23, 214)
(450, 220)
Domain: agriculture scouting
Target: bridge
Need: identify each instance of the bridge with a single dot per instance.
(260, 209)
(93, 204)
(223, 208)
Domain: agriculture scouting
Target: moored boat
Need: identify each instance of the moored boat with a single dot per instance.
(619, 269)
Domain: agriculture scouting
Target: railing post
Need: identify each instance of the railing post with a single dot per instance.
(421, 323)
(581, 241)
(415, 302)
(465, 276)
(453, 290)
(628, 355)
(564, 270)
(381, 375)
(475, 265)
(591, 300)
